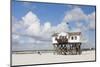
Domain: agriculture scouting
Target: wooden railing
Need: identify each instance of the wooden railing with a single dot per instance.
(62, 40)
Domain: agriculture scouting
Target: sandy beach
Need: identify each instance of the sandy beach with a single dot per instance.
(26, 59)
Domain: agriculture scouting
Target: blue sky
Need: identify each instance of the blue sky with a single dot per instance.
(55, 14)
(19, 9)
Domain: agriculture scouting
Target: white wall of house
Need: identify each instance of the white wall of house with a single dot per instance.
(76, 38)
(71, 38)
(53, 40)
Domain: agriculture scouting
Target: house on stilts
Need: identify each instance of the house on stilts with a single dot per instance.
(67, 43)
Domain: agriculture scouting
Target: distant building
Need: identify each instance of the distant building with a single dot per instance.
(67, 42)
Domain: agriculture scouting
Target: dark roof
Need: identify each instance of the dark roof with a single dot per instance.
(74, 33)
(55, 34)
(70, 33)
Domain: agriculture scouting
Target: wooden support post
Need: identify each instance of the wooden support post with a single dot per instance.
(80, 48)
(54, 46)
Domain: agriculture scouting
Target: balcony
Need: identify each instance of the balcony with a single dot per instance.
(62, 40)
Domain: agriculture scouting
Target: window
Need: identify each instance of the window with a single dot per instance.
(75, 37)
(72, 38)
(60, 37)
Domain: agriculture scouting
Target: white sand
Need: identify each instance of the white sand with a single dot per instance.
(24, 59)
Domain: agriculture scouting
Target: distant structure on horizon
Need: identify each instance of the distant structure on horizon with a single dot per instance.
(67, 43)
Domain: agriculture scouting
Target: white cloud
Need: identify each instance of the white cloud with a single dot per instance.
(62, 27)
(17, 25)
(15, 37)
(75, 14)
(33, 26)
(30, 18)
(30, 25)
(46, 27)
(92, 20)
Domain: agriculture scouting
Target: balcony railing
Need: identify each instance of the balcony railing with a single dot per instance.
(62, 40)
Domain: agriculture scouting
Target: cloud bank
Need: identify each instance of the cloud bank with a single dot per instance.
(30, 25)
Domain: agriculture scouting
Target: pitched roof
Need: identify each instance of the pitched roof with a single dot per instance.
(74, 33)
(69, 33)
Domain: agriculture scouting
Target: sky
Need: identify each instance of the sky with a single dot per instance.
(33, 23)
